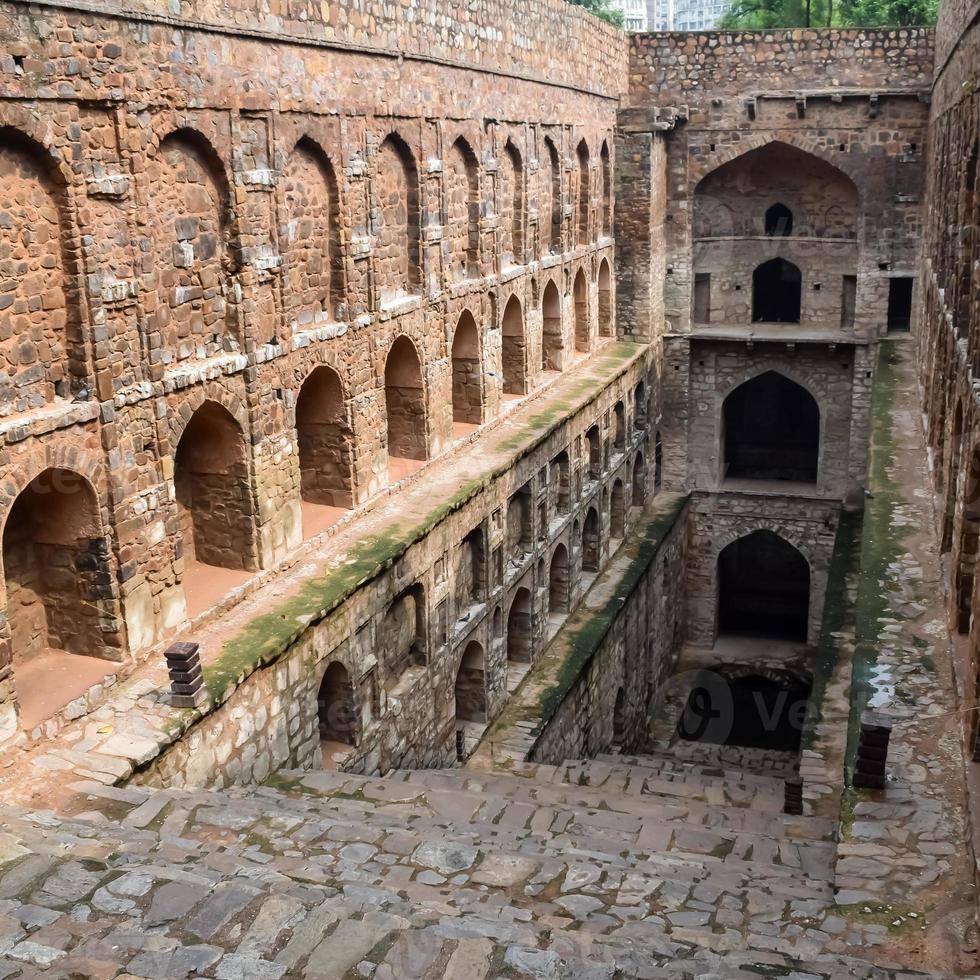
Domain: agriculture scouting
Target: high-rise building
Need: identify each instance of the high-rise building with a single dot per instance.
(685, 15)
(634, 14)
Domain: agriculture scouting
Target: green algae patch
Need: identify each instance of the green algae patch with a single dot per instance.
(896, 917)
(881, 543)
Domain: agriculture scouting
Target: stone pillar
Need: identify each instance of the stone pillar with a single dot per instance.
(640, 179)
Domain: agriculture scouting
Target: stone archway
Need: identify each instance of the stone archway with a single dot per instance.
(470, 689)
(336, 714)
(405, 408)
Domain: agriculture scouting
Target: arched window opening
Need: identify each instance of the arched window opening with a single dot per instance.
(405, 408)
(552, 176)
(552, 344)
(470, 689)
(558, 581)
(467, 376)
(519, 628)
(325, 441)
(617, 511)
(582, 155)
(779, 221)
(564, 481)
(313, 269)
(590, 542)
(514, 349)
(581, 296)
(607, 202)
(470, 578)
(399, 262)
(593, 445)
(638, 482)
(512, 206)
(463, 211)
(520, 538)
(619, 438)
(619, 719)
(402, 640)
(771, 431)
(640, 406)
(337, 715)
(776, 292)
(763, 588)
(605, 301)
(41, 352)
(211, 485)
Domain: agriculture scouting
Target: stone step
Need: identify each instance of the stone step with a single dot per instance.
(755, 761)
(670, 767)
(724, 789)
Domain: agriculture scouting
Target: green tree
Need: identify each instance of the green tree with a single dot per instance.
(603, 9)
(765, 14)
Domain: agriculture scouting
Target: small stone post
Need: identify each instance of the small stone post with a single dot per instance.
(793, 796)
(872, 752)
(186, 678)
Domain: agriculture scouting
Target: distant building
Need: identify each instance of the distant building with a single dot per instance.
(634, 14)
(685, 15)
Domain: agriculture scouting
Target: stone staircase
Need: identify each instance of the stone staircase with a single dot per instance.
(643, 866)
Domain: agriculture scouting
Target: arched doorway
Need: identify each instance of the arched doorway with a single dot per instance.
(763, 588)
(771, 431)
(552, 345)
(580, 293)
(514, 349)
(966, 568)
(336, 713)
(590, 541)
(519, 628)
(638, 482)
(776, 292)
(405, 409)
(558, 582)
(59, 589)
(582, 154)
(325, 440)
(211, 485)
(471, 695)
(467, 376)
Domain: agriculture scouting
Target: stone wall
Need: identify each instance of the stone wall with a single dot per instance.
(607, 704)
(401, 638)
(677, 68)
(717, 520)
(203, 208)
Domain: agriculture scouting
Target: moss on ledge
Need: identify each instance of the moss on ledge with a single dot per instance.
(581, 636)
(267, 637)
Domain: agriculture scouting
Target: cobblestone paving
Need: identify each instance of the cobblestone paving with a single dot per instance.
(647, 867)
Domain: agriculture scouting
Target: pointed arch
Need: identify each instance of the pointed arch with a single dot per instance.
(325, 440)
(463, 211)
(405, 402)
(514, 349)
(607, 198)
(552, 196)
(771, 430)
(763, 587)
(552, 340)
(189, 216)
(582, 156)
(313, 280)
(41, 351)
(467, 371)
(511, 205)
(580, 294)
(604, 283)
(399, 207)
(470, 688)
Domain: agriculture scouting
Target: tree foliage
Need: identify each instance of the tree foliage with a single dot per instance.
(603, 9)
(765, 14)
